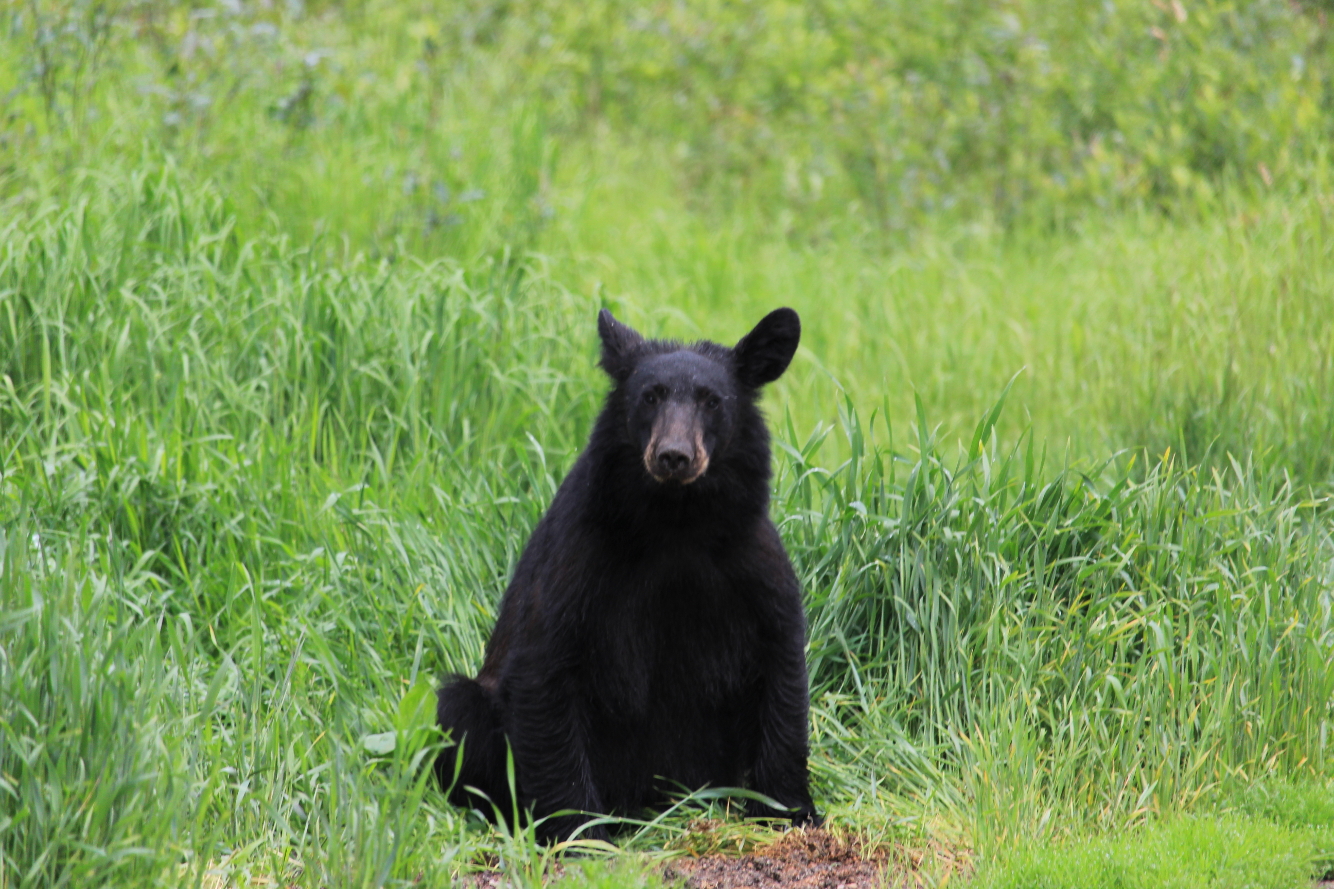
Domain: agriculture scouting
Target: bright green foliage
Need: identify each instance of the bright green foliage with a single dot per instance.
(1110, 638)
(1030, 108)
(910, 108)
(1300, 805)
(1188, 853)
(392, 129)
(252, 503)
(296, 342)
(1034, 110)
(94, 772)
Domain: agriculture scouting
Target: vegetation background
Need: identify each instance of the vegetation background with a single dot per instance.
(296, 342)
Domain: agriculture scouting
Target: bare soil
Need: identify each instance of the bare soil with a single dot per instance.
(802, 859)
(810, 858)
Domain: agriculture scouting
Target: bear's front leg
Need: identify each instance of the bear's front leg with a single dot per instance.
(546, 729)
(779, 770)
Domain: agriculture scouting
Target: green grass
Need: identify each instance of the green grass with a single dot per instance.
(1266, 833)
(277, 414)
(1205, 329)
(1186, 853)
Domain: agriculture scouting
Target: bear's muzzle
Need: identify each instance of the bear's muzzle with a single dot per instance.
(676, 451)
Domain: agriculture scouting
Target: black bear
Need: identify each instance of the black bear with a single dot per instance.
(653, 636)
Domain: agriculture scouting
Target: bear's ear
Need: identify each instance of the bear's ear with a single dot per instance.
(618, 344)
(765, 352)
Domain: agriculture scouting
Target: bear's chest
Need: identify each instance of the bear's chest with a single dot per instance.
(681, 635)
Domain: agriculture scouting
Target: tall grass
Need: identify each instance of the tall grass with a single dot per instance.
(296, 343)
(253, 502)
(1082, 646)
(1177, 298)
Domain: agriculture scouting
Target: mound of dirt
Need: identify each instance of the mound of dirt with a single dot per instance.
(809, 858)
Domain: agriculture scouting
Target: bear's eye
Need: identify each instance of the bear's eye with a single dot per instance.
(712, 403)
(650, 397)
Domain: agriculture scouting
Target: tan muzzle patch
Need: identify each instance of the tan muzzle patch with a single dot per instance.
(676, 451)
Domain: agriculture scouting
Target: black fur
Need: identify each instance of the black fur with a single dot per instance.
(652, 636)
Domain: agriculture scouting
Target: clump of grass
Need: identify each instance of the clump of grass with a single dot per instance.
(1078, 647)
(91, 755)
(1302, 803)
(1184, 852)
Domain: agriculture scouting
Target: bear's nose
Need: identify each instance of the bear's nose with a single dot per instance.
(672, 461)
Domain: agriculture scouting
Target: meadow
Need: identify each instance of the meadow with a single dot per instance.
(297, 340)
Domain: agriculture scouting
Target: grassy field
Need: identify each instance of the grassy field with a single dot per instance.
(296, 342)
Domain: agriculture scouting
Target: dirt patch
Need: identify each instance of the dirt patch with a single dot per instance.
(802, 859)
(728, 854)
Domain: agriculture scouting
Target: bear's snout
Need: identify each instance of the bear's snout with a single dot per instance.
(672, 461)
(676, 451)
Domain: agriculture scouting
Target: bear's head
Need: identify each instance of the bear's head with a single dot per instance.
(683, 404)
